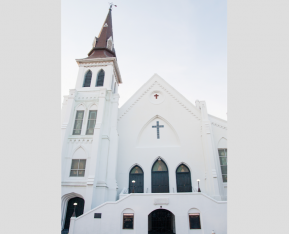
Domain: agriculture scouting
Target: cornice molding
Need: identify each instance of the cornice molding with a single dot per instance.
(80, 140)
(106, 61)
(98, 64)
(219, 125)
(74, 183)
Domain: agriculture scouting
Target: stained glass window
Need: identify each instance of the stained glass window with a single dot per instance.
(100, 78)
(160, 166)
(223, 163)
(78, 123)
(136, 170)
(78, 167)
(182, 168)
(91, 122)
(87, 79)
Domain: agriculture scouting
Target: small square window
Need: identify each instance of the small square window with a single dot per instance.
(127, 221)
(195, 222)
(78, 167)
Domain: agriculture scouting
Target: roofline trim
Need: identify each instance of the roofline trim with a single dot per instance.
(113, 59)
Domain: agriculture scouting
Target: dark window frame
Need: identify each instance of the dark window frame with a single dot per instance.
(189, 173)
(225, 156)
(87, 74)
(191, 223)
(131, 177)
(99, 75)
(130, 215)
(167, 171)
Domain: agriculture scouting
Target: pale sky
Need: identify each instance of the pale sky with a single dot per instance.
(183, 41)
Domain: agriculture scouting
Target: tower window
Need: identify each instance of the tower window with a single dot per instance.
(223, 163)
(100, 78)
(114, 88)
(87, 79)
(78, 123)
(78, 167)
(91, 122)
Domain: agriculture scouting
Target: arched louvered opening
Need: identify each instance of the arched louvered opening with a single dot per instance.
(136, 174)
(100, 78)
(160, 177)
(87, 79)
(183, 175)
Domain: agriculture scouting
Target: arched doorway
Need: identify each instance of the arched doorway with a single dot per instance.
(160, 177)
(136, 174)
(70, 208)
(161, 221)
(183, 175)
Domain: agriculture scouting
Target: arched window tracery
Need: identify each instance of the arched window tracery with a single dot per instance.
(100, 78)
(87, 79)
(183, 176)
(136, 174)
(160, 177)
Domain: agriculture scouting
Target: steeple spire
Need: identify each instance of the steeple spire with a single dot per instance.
(103, 44)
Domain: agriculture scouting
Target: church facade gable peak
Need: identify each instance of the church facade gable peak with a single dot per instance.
(156, 86)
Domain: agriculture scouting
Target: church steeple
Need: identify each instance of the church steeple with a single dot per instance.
(103, 44)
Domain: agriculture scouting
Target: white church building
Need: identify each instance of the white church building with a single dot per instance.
(156, 165)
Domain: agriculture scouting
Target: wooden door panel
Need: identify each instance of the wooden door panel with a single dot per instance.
(160, 182)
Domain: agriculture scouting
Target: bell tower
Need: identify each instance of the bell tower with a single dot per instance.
(89, 124)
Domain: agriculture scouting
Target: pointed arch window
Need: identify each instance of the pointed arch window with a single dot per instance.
(87, 79)
(223, 161)
(160, 166)
(183, 175)
(160, 177)
(136, 175)
(100, 78)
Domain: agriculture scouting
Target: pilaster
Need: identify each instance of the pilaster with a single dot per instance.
(213, 185)
(113, 149)
(92, 176)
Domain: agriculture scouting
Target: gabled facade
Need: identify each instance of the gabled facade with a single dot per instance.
(158, 157)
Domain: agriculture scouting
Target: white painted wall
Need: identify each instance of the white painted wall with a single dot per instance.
(213, 214)
(124, 137)
(180, 139)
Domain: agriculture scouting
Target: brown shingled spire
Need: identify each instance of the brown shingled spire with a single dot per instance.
(103, 46)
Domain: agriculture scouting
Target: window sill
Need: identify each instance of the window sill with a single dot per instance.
(80, 136)
(73, 183)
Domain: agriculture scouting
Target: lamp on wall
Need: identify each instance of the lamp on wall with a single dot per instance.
(74, 215)
(199, 190)
(133, 186)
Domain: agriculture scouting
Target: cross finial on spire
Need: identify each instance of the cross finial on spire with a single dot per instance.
(111, 5)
